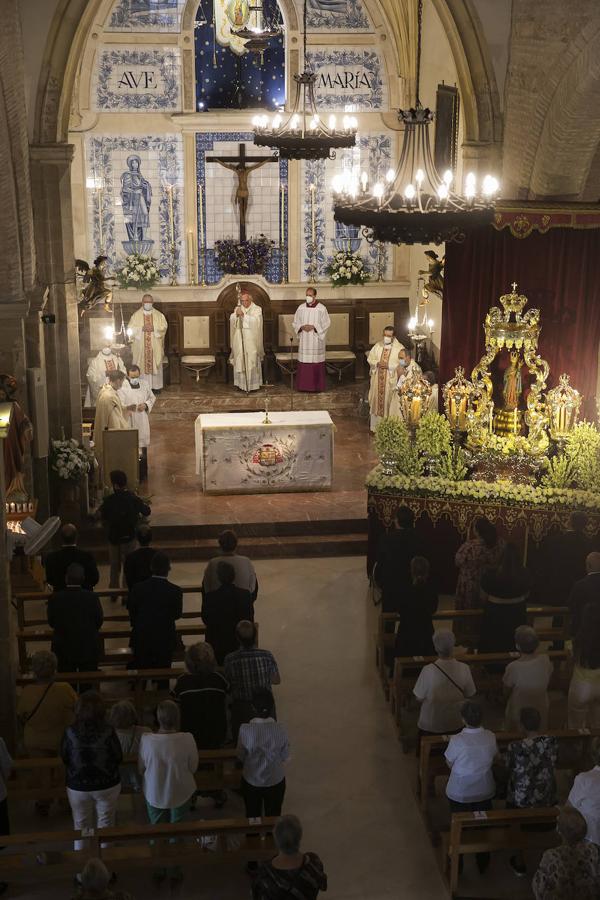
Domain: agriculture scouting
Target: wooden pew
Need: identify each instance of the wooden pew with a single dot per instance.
(113, 594)
(432, 762)
(139, 695)
(387, 622)
(49, 775)
(499, 829)
(107, 655)
(237, 841)
(407, 670)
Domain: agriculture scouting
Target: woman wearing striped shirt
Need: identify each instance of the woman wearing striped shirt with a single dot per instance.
(263, 748)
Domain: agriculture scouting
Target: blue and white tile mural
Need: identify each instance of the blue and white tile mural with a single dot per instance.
(351, 77)
(135, 199)
(142, 80)
(337, 15)
(373, 154)
(146, 15)
(218, 216)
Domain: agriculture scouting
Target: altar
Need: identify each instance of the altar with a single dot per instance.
(237, 453)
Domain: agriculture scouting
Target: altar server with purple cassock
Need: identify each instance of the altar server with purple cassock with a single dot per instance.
(311, 323)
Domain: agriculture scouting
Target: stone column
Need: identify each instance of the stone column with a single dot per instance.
(8, 670)
(51, 197)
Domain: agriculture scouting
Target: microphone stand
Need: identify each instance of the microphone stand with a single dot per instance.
(291, 373)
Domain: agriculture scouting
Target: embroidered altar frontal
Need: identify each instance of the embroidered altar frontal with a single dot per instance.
(238, 454)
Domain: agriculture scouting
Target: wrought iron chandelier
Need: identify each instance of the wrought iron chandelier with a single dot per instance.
(303, 135)
(414, 204)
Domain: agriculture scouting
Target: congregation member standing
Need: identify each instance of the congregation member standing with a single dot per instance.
(263, 748)
(154, 606)
(583, 701)
(416, 607)
(245, 573)
(121, 512)
(222, 610)
(246, 670)
(527, 679)
(383, 361)
(57, 562)
(585, 591)
(137, 565)
(311, 324)
(246, 341)
(585, 795)
(505, 589)
(560, 562)
(571, 871)
(473, 558)
(137, 399)
(75, 615)
(442, 687)
(396, 550)
(202, 696)
(148, 329)
(291, 873)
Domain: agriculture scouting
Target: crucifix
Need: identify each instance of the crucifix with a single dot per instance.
(239, 165)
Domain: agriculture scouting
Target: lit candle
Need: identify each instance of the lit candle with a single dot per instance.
(313, 224)
(415, 412)
(462, 414)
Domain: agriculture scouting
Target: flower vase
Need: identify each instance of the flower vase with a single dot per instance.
(389, 465)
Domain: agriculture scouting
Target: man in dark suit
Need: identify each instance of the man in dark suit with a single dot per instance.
(560, 562)
(585, 591)
(136, 567)
(223, 609)
(75, 615)
(58, 562)
(154, 607)
(396, 549)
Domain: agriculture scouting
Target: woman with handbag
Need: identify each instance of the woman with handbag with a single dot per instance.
(44, 709)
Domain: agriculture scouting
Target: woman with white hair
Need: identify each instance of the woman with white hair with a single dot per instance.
(442, 687)
(291, 873)
(527, 679)
(95, 882)
(571, 871)
(168, 761)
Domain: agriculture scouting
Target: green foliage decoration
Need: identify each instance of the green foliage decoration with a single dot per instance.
(560, 472)
(433, 436)
(450, 464)
(392, 440)
(583, 449)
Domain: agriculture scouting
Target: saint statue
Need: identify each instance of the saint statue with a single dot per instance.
(20, 434)
(136, 194)
(513, 383)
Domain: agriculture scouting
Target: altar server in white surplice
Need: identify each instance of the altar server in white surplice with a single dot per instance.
(246, 333)
(311, 323)
(383, 360)
(97, 373)
(148, 330)
(137, 399)
(406, 367)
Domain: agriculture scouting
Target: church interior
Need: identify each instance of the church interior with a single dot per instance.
(300, 408)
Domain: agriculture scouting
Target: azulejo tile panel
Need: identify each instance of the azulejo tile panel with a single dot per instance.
(373, 154)
(135, 199)
(349, 78)
(138, 80)
(146, 15)
(337, 15)
(217, 214)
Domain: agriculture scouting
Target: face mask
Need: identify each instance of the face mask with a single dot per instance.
(309, 299)
(403, 363)
(107, 351)
(134, 381)
(147, 307)
(387, 340)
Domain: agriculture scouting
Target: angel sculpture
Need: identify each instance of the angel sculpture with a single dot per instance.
(96, 289)
(435, 273)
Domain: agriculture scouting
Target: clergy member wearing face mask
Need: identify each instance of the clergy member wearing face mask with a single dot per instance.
(406, 367)
(383, 360)
(97, 374)
(148, 329)
(137, 399)
(310, 324)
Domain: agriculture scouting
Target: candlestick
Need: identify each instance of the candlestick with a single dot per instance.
(282, 224)
(200, 216)
(312, 214)
(191, 259)
(171, 216)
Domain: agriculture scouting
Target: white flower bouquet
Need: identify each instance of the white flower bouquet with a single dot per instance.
(139, 271)
(347, 268)
(70, 461)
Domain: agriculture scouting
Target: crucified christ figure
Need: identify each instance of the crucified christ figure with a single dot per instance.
(240, 165)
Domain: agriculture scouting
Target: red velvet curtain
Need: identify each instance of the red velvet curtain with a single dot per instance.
(558, 271)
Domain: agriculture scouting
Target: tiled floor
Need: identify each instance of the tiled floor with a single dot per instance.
(177, 497)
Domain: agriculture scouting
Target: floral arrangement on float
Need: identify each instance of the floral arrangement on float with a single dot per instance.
(494, 445)
(244, 258)
(138, 271)
(69, 460)
(347, 268)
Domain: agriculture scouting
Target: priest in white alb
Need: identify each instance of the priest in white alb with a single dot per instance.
(109, 412)
(383, 360)
(311, 323)
(137, 399)
(97, 372)
(148, 329)
(247, 351)
(407, 367)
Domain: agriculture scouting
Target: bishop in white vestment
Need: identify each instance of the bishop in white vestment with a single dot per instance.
(97, 373)
(148, 329)
(109, 412)
(311, 323)
(247, 351)
(383, 360)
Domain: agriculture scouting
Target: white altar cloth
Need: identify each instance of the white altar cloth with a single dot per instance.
(237, 454)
